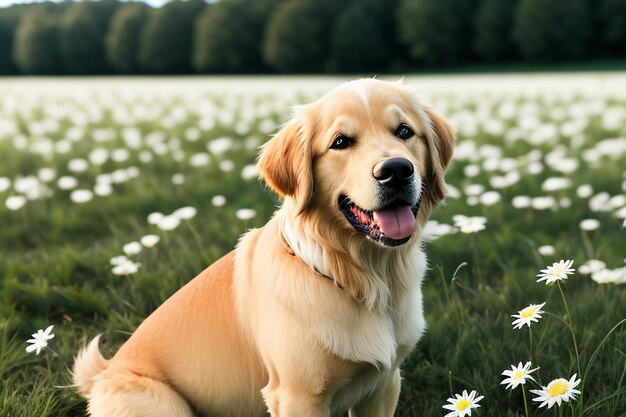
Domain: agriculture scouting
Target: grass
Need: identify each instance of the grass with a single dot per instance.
(54, 263)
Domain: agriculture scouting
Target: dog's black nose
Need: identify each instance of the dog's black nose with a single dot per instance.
(394, 172)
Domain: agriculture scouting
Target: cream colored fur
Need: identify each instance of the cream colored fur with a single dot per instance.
(306, 317)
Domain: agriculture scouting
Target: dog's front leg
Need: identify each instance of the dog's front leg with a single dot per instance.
(284, 401)
(382, 403)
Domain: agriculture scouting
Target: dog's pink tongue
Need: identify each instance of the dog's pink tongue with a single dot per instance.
(397, 222)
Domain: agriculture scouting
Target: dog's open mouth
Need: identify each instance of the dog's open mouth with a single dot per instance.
(392, 225)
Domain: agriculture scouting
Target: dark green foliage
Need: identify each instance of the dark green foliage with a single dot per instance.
(228, 37)
(493, 22)
(122, 40)
(364, 37)
(35, 46)
(81, 35)
(297, 37)
(549, 30)
(437, 32)
(166, 39)
(613, 14)
(313, 36)
(9, 19)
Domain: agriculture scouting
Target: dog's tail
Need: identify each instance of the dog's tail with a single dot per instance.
(88, 364)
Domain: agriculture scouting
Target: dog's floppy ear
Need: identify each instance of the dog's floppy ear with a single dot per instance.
(441, 144)
(285, 162)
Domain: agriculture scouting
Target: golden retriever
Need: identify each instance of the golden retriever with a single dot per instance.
(313, 313)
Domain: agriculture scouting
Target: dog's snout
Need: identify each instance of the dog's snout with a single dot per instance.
(394, 172)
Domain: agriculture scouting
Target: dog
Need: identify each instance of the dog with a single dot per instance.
(313, 313)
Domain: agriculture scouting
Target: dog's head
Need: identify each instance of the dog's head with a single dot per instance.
(366, 157)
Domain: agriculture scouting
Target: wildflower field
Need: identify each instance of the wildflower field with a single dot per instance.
(115, 192)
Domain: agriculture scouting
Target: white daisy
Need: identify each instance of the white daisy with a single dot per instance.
(39, 340)
(168, 223)
(245, 213)
(557, 272)
(132, 248)
(67, 182)
(517, 375)
(557, 391)
(589, 224)
(610, 276)
(218, 200)
(118, 260)
(527, 315)
(546, 250)
(469, 224)
(15, 202)
(126, 268)
(81, 196)
(155, 218)
(5, 184)
(463, 404)
(185, 213)
(226, 165)
(250, 172)
(433, 230)
(178, 179)
(149, 241)
(591, 266)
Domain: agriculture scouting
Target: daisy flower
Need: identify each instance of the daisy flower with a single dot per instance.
(39, 340)
(218, 200)
(589, 224)
(132, 248)
(469, 224)
(557, 272)
(546, 250)
(118, 260)
(168, 223)
(245, 214)
(591, 266)
(126, 268)
(149, 241)
(185, 213)
(517, 375)
(527, 315)
(557, 391)
(462, 405)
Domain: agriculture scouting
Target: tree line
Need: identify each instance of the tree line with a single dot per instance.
(303, 36)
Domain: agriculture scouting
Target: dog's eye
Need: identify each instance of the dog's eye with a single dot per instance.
(342, 142)
(404, 132)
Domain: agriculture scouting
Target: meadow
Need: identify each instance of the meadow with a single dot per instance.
(115, 192)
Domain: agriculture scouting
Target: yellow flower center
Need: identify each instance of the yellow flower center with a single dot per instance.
(462, 404)
(557, 388)
(517, 375)
(527, 312)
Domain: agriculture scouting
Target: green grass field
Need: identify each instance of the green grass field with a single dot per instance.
(84, 163)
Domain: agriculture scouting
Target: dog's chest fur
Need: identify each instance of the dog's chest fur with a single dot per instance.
(379, 338)
(367, 344)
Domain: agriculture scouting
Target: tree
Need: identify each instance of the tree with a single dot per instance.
(297, 35)
(492, 26)
(9, 19)
(228, 37)
(82, 31)
(122, 39)
(549, 30)
(613, 13)
(437, 31)
(167, 37)
(364, 37)
(35, 46)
